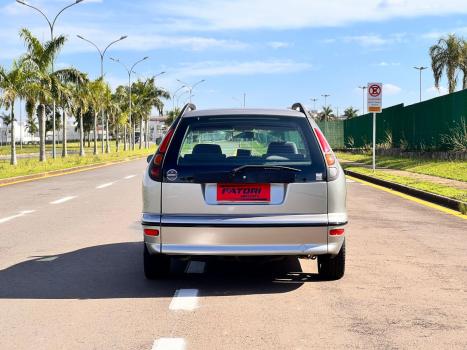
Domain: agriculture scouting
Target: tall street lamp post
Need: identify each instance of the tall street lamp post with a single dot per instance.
(51, 26)
(363, 96)
(325, 99)
(420, 69)
(102, 55)
(314, 103)
(129, 70)
(174, 95)
(191, 87)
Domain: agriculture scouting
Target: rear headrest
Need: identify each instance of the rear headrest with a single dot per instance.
(282, 148)
(243, 152)
(207, 148)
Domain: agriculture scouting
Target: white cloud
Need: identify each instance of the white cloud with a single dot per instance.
(278, 14)
(391, 89)
(278, 44)
(373, 40)
(435, 35)
(388, 64)
(434, 92)
(219, 68)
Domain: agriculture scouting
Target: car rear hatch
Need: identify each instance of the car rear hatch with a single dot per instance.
(243, 180)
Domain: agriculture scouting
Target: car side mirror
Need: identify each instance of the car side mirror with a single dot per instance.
(148, 159)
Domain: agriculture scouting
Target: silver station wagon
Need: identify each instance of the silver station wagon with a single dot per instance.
(244, 182)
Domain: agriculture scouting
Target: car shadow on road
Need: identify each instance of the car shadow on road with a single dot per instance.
(115, 271)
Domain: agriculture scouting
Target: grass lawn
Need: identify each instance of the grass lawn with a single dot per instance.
(455, 170)
(442, 190)
(71, 146)
(33, 166)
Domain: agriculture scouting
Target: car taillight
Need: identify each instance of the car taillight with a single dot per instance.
(155, 170)
(151, 232)
(336, 232)
(328, 155)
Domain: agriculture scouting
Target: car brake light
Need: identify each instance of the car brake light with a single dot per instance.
(156, 166)
(336, 232)
(151, 232)
(328, 155)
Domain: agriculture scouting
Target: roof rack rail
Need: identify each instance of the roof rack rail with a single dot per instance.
(188, 107)
(299, 107)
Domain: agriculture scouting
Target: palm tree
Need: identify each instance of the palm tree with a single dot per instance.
(78, 105)
(463, 62)
(351, 112)
(44, 85)
(326, 114)
(96, 90)
(445, 56)
(12, 83)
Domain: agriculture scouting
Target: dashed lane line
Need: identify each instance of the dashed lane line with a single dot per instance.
(169, 344)
(184, 300)
(63, 200)
(22, 213)
(105, 185)
(129, 177)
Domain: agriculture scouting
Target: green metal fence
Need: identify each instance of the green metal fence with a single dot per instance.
(415, 127)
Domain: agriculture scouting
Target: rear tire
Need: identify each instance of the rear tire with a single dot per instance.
(155, 265)
(332, 268)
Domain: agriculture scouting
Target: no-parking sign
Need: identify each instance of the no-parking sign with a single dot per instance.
(375, 97)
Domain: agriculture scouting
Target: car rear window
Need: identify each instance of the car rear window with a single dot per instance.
(218, 145)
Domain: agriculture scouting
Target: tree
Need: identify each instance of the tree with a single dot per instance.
(96, 90)
(445, 56)
(463, 63)
(12, 84)
(351, 112)
(326, 114)
(171, 116)
(31, 126)
(44, 84)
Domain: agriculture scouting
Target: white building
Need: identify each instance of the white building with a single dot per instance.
(157, 127)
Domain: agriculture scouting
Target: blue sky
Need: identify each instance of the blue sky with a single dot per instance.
(277, 52)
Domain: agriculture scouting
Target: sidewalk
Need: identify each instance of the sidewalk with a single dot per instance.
(459, 185)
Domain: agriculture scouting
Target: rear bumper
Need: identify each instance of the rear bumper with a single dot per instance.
(241, 235)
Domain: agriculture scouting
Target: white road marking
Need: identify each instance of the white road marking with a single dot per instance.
(22, 213)
(169, 344)
(105, 185)
(195, 267)
(47, 259)
(63, 200)
(185, 299)
(349, 181)
(129, 177)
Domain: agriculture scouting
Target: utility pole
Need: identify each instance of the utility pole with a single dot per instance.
(363, 95)
(420, 69)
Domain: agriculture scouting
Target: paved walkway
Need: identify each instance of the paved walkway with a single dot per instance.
(460, 185)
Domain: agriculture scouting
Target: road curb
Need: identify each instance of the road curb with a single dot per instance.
(427, 196)
(45, 175)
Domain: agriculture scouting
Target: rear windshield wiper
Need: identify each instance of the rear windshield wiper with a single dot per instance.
(266, 167)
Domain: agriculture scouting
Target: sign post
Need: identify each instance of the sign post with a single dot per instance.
(375, 104)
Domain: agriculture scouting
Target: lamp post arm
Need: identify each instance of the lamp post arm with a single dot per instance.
(107, 47)
(63, 9)
(38, 10)
(89, 41)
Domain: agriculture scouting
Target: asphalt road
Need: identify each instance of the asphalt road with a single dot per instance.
(71, 278)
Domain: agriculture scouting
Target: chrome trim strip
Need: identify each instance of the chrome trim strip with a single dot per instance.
(239, 250)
